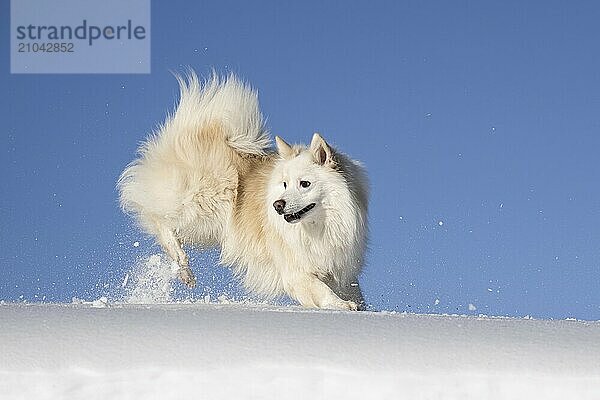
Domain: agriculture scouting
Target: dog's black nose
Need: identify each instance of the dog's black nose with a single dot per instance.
(279, 205)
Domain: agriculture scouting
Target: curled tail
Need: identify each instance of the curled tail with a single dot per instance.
(184, 177)
(224, 100)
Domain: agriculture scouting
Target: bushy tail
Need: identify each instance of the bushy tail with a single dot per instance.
(224, 100)
(155, 183)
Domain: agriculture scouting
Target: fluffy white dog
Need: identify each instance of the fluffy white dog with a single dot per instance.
(292, 221)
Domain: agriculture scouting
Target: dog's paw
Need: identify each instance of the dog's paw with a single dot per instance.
(342, 305)
(187, 276)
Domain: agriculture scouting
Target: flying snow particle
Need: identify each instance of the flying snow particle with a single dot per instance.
(440, 223)
(125, 280)
(436, 302)
(136, 244)
(472, 307)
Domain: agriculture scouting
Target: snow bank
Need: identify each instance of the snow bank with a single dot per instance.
(175, 351)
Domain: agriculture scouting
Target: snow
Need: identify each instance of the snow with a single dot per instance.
(151, 280)
(102, 350)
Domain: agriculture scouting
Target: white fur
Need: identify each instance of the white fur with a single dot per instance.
(208, 178)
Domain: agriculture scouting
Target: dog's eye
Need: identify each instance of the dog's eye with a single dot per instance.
(304, 184)
(285, 185)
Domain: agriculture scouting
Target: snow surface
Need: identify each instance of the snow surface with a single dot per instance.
(102, 350)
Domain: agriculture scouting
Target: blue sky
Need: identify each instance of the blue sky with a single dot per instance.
(478, 122)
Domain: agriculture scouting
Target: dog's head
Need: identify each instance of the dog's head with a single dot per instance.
(305, 181)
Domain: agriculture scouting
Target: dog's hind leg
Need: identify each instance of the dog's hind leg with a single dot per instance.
(311, 292)
(172, 246)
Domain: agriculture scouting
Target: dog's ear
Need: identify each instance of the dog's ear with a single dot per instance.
(320, 150)
(285, 150)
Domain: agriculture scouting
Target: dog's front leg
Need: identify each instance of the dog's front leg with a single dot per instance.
(173, 248)
(311, 292)
(350, 291)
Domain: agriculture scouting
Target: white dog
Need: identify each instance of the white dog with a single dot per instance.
(292, 221)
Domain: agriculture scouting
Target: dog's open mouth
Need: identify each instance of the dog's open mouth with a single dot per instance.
(298, 214)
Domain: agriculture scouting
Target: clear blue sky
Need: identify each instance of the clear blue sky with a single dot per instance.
(479, 123)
